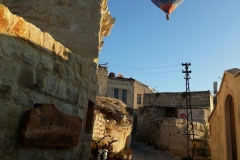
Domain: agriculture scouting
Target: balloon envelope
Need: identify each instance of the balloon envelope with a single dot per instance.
(167, 5)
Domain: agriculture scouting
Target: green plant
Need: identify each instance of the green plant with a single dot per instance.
(205, 150)
(187, 158)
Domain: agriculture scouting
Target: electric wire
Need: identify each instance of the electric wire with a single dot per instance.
(151, 72)
(139, 68)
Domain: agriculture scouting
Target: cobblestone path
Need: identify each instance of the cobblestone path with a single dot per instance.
(143, 152)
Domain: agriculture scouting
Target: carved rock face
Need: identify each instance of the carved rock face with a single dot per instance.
(80, 25)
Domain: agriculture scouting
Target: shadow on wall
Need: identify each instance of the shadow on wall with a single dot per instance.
(30, 57)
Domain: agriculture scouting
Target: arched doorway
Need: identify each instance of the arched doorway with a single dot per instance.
(230, 129)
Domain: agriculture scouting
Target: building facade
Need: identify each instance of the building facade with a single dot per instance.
(173, 104)
(224, 120)
(129, 90)
(48, 55)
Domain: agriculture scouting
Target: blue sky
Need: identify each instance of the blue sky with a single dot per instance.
(205, 33)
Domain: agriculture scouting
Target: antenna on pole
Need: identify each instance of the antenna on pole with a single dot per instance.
(190, 131)
(104, 65)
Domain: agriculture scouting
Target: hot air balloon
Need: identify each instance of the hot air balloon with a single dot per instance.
(167, 5)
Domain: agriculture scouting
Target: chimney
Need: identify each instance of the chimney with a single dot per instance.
(120, 76)
(111, 74)
(215, 87)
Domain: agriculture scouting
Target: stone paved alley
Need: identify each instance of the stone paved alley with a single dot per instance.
(143, 152)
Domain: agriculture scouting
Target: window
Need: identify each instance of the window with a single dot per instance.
(116, 93)
(124, 95)
(139, 99)
(89, 120)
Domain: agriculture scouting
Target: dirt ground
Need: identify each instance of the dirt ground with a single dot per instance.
(142, 151)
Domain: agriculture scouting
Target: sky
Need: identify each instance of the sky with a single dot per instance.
(145, 46)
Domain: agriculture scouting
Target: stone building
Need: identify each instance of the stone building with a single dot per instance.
(224, 119)
(129, 90)
(173, 104)
(79, 25)
(55, 47)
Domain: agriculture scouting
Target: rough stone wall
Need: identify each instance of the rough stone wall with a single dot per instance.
(199, 99)
(29, 56)
(141, 89)
(198, 115)
(102, 81)
(167, 132)
(99, 127)
(121, 84)
(220, 130)
(78, 24)
(112, 119)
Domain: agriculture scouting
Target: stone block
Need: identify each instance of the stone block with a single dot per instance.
(7, 141)
(21, 98)
(61, 89)
(20, 28)
(35, 36)
(93, 76)
(5, 92)
(48, 154)
(82, 101)
(63, 154)
(26, 78)
(32, 153)
(72, 94)
(82, 82)
(59, 69)
(47, 42)
(83, 67)
(81, 113)
(6, 19)
(67, 109)
(59, 50)
(69, 74)
(9, 72)
(50, 85)
(31, 56)
(11, 47)
(10, 115)
(47, 63)
(40, 76)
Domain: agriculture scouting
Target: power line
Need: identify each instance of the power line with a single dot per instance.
(138, 68)
(150, 72)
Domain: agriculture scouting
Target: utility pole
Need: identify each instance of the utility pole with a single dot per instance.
(190, 131)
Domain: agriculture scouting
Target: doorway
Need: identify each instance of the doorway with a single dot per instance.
(230, 129)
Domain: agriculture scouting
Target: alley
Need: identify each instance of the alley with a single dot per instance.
(142, 151)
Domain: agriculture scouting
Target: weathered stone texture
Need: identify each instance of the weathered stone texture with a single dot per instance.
(82, 24)
(113, 120)
(167, 132)
(199, 99)
(225, 118)
(31, 57)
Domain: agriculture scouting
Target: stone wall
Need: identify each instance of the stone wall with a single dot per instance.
(99, 127)
(198, 115)
(225, 118)
(121, 83)
(200, 99)
(29, 56)
(141, 89)
(166, 132)
(112, 119)
(102, 81)
(78, 24)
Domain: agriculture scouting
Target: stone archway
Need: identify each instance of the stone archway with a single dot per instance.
(230, 129)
